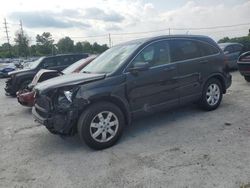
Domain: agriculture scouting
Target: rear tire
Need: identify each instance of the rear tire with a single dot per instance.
(247, 78)
(211, 95)
(101, 125)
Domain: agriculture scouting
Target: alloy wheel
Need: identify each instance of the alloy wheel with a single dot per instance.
(104, 126)
(213, 94)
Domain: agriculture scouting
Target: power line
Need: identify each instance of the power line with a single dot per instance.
(188, 28)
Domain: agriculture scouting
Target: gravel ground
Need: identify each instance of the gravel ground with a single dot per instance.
(182, 148)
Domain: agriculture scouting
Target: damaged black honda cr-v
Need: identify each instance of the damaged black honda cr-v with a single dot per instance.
(129, 79)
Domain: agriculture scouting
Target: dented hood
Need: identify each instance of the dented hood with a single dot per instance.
(39, 74)
(67, 80)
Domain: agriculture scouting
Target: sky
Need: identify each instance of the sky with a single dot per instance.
(124, 20)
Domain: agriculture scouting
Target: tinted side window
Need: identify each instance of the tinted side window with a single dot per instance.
(64, 60)
(207, 49)
(229, 49)
(155, 54)
(184, 49)
(73, 59)
(49, 62)
(237, 48)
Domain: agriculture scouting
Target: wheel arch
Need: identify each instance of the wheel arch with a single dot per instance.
(219, 77)
(118, 102)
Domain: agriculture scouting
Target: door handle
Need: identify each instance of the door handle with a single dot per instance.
(169, 68)
(204, 62)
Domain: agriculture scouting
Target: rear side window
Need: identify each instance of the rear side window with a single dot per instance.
(64, 60)
(49, 62)
(229, 49)
(207, 49)
(184, 49)
(237, 48)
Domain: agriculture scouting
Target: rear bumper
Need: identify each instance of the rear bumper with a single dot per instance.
(26, 98)
(228, 81)
(244, 69)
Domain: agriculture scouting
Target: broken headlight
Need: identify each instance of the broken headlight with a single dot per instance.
(65, 97)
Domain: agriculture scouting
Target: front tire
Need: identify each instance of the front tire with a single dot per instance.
(247, 78)
(211, 95)
(101, 125)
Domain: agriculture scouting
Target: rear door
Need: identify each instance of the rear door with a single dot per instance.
(193, 63)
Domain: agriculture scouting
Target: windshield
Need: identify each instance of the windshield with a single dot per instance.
(111, 59)
(73, 67)
(33, 64)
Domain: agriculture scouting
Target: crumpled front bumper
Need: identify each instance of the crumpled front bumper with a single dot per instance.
(61, 123)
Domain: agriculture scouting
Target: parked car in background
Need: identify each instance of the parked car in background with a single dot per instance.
(26, 96)
(131, 79)
(5, 68)
(232, 52)
(244, 65)
(21, 78)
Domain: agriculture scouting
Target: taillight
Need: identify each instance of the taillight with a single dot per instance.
(226, 63)
(245, 59)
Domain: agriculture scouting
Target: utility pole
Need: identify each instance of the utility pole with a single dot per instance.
(110, 44)
(21, 27)
(22, 37)
(7, 35)
(168, 31)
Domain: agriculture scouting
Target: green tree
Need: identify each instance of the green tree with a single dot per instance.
(225, 39)
(22, 43)
(87, 47)
(6, 50)
(65, 45)
(78, 47)
(44, 44)
(33, 50)
(245, 41)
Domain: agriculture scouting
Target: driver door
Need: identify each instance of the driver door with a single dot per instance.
(156, 87)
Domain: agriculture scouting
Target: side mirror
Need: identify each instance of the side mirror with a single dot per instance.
(141, 66)
(226, 52)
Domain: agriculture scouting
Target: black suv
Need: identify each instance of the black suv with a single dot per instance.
(21, 78)
(129, 79)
